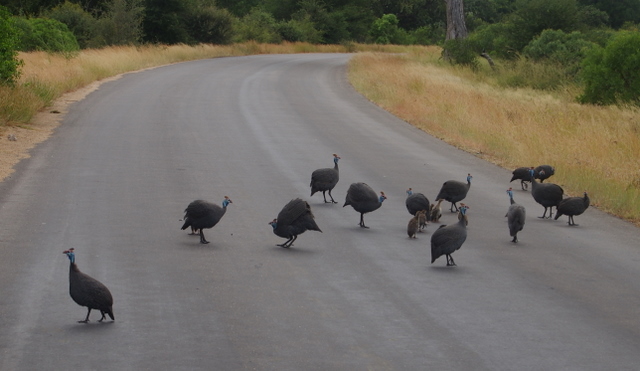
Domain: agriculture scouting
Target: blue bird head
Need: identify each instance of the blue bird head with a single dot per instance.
(70, 254)
(274, 223)
(226, 201)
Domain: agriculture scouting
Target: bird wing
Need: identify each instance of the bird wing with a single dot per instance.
(417, 202)
(197, 209)
(361, 192)
(292, 211)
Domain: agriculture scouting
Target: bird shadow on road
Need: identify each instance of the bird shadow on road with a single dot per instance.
(90, 326)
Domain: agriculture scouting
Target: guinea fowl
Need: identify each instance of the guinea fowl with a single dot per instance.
(88, 292)
(422, 220)
(543, 172)
(572, 206)
(449, 238)
(202, 214)
(323, 180)
(363, 199)
(414, 225)
(436, 211)
(547, 195)
(294, 219)
(524, 175)
(454, 191)
(416, 202)
(515, 217)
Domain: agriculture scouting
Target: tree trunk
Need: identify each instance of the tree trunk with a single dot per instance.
(456, 27)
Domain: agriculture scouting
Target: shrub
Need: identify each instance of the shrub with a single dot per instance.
(612, 74)
(79, 22)
(384, 29)
(45, 34)
(496, 39)
(258, 25)
(9, 40)
(460, 51)
(210, 25)
(121, 23)
(560, 48)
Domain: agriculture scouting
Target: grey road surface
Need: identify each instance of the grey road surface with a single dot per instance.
(115, 178)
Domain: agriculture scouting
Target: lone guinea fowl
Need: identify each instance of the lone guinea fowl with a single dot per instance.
(454, 191)
(294, 219)
(572, 206)
(515, 217)
(416, 202)
(323, 180)
(363, 199)
(449, 238)
(524, 175)
(88, 292)
(546, 194)
(201, 215)
(543, 172)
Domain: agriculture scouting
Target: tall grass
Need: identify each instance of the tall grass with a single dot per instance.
(593, 148)
(46, 77)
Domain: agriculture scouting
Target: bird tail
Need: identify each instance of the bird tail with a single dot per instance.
(110, 313)
(187, 224)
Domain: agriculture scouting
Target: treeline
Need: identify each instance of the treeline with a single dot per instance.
(561, 32)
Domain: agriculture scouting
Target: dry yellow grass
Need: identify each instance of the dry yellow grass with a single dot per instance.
(596, 149)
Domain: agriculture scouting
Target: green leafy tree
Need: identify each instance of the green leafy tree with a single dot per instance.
(9, 39)
(121, 23)
(619, 11)
(612, 74)
(384, 29)
(564, 49)
(210, 24)
(534, 16)
(45, 34)
(258, 25)
(164, 21)
(80, 22)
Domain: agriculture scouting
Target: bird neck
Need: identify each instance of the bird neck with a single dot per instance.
(274, 225)
(73, 267)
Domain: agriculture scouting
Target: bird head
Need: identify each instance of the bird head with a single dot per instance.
(409, 192)
(463, 208)
(510, 192)
(382, 197)
(336, 157)
(274, 223)
(469, 177)
(226, 201)
(70, 254)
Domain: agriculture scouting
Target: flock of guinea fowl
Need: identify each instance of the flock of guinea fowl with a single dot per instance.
(296, 217)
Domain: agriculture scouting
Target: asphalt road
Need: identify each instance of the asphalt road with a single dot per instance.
(115, 178)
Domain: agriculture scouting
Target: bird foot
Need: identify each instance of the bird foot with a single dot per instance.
(363, 226)
(204, 242)
(514, 240)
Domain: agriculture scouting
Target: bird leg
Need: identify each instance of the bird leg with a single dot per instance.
(288, 243)
(453, 204)
(86, 319)
(202, 239)
(194, 231)
(332, 200)
(524, 185)
(103, 316)
(450, 262)
(571, 222)
(362, 221)
(545, 213)
(515, 239)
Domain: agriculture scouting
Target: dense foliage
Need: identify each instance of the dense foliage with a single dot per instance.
(9, 39)
(549, 32)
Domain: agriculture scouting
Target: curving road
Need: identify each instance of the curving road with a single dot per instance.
(114, 179)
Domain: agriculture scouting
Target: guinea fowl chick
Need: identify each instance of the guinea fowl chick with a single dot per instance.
(572, 206)
(324, 180)
(515, 217)
(363, 199)
(449, 238)
(546, 194)
(422, 220)
(414, 225)
(88, 292)
(454, 191)
(435, 212)
(294, 219)
(201, 215)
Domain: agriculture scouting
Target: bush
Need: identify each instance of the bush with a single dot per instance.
(460, 51)
(384, 29)
(9, 40)
(79, 22)
(210, 25)
(302, 30)
(560, 48)
(612, 74)
(121, 23)
(495, 39)
(45, 35)
(258, 25)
